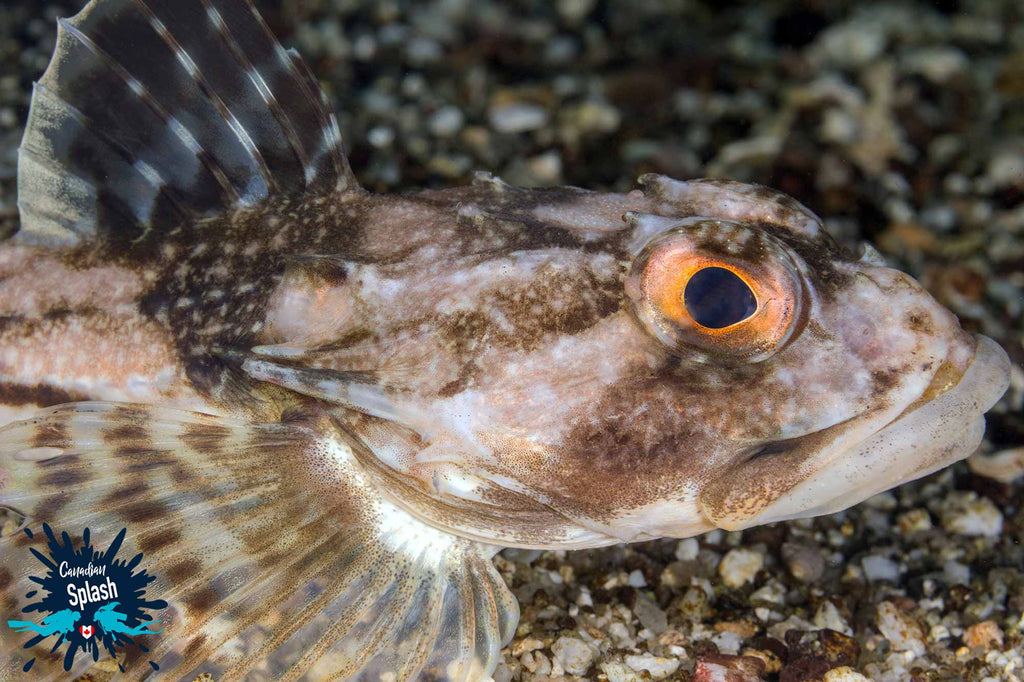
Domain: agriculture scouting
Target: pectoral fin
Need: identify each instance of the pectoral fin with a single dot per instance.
(275, 554)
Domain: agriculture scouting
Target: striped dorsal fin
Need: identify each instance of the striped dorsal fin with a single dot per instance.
(154, 113)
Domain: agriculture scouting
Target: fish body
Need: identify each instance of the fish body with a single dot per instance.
(320, 411)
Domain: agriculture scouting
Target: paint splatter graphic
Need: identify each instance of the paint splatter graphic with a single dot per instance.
(91, 600)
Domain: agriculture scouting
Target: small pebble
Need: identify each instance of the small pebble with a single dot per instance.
(914, 521)
(593, 116)
(1005, 466)
(446, 121)
(381, 136)
(687, 549)
(938, 64)
(1006, 169)
(805, 563)
(850, 44)
(880, 568)
(828, 616)
(423, 50)
(619, 672)
(984, 635)
(900, 628)
(658, 667)
(844, 674)
(574, 655)
(967, 513)
(650, 614)
(574, 11)
(502, 673)
(956, 573)
(536, 662)
(721, 668)
(739, 566)
(517, 117)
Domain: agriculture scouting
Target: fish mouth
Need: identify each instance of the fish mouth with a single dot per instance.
(850, 462)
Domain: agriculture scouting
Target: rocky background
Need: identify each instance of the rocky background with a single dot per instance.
(900, 123)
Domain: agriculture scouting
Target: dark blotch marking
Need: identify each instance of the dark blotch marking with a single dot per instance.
(64, 478)
(5, 578)
(453, 388)
(159, 540)
(821, 255)
(205, 437)
(348, 340)
(21, 540)
(195, 645)
(819, 333)
(40, 394)
(320, 270)
(144, 461)
(49, 508)
(920, 321)
(129, 452)
(133, 433)
(52, 433)
(129, 413)
(144, 510)
(183, 570)
(183, 475)
(202, 600)
(883, 380)
(120, 494)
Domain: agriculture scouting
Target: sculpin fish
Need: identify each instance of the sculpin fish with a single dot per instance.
(319, 412)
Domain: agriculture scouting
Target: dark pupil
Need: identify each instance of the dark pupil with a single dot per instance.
(716, 298)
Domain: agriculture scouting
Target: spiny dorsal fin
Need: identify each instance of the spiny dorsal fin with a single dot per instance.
(154, 112)
(277, 557)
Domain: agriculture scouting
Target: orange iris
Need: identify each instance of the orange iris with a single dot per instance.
(747, 319)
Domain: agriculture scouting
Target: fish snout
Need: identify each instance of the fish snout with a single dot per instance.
(831, 470)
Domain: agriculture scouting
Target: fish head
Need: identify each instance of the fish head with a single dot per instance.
(803, 378)
(713, 359)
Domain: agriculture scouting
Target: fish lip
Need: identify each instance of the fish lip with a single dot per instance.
(988, 373)
(943, 425)
(962, 404)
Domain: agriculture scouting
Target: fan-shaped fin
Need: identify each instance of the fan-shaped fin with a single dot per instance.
(277, 557)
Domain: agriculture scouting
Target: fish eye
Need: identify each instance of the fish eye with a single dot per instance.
(717, 288)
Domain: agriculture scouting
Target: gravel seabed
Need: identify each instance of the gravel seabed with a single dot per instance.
(900, 123)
